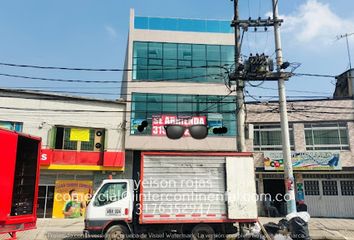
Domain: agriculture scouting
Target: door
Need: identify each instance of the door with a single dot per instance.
(45, 201)
(276, 189)
(330, 197)
(241, 188)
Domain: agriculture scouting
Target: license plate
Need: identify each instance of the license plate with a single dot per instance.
(113, 211)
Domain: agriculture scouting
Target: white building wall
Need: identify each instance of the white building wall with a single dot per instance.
(47, 114)
(302, 112)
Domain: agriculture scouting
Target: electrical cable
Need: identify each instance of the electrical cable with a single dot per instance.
(99, 69)
(220, 101)
(130, 94)
(291, 90)
(101, 81)
(64, 68)
(313, 75)
(255, 85)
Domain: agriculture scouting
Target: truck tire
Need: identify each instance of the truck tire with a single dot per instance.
(203, 232)
(117, 232)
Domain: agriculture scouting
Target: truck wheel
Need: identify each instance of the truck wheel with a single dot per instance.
(117, 232)
(203, 232)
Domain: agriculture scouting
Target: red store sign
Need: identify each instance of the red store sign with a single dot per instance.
(158, 123)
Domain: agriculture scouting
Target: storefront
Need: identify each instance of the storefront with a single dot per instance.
(76, 162)
(320, 182)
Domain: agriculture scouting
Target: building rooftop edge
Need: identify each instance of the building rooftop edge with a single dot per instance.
(304, 100)
(185, 18)
(60, 96)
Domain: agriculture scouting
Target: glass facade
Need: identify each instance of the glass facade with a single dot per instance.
(219, 110)
(184, 25)
(181, 62)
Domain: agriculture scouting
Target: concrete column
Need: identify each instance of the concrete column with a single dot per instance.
(299, 137)
(350, 126)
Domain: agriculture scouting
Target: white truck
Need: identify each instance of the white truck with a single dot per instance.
(177, 195)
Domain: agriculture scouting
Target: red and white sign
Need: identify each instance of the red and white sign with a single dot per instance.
(158, 123)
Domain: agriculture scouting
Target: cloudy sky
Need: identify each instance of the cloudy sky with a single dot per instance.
(93, 34)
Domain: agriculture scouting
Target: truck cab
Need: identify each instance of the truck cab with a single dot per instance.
(114, 199)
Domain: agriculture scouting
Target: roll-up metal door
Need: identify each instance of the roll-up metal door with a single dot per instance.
(183, 188)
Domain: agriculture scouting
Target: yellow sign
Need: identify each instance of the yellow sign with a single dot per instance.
(71, 198)
(80, 134)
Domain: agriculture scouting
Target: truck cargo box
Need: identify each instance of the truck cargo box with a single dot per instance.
(187, 187)
(19, 175)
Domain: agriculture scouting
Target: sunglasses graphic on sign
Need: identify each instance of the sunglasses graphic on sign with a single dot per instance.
(174, 131)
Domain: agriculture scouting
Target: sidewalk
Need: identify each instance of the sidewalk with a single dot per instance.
(325, 228)
(71, 229)
(53, 229)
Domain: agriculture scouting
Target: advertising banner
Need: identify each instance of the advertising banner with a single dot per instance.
(215, 120)
(158, 123)
(134, 125)
(70, 198)
(313, 161)
(80, 134)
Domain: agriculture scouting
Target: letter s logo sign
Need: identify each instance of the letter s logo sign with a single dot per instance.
(44, 157)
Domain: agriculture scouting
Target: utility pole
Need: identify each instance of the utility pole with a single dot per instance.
(348, 50)
(240, 109)
(288, 166)
(260, 68)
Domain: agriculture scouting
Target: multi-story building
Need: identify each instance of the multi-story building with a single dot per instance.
(82, 138)
(177, 72)
(322, 144)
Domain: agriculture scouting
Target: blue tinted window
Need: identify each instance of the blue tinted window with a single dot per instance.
(213, 52)
(219, 110)
(227, 55)
(188, 25)
(141, 23)
(171, 24)
(213, 26)
(180, 62)
(14, 126)
(199, 52)
(192, 25)
(185, 51)
(170, 51)
(157, 23)
(225, 27)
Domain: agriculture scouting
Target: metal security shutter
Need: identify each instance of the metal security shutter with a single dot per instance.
(322, 197)
(47, 179)
(180, 187)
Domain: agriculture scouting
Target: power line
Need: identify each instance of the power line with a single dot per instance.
(103, 81)
(103, 69)
(294, 104)
(130, 94)
(58, 79)
(65, 68)
(313, 75)
(290, 90)
(162, 112)
(123, 70)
